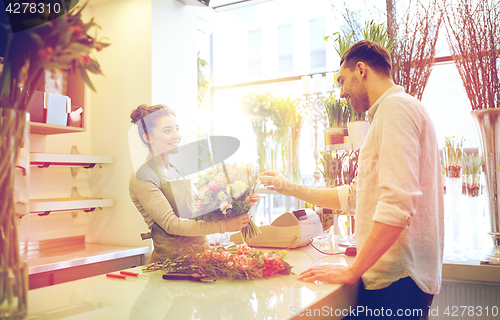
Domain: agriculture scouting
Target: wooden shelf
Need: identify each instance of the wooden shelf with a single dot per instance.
(47, 159)
(45, 129)
(46, 206)
(344, 146)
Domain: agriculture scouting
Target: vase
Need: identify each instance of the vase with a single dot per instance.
(13, 271)
(488, 125)
(358, 130)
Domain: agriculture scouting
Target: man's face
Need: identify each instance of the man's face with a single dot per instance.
(352, 87)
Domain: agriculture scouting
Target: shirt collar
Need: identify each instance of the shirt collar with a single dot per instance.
(392, 90)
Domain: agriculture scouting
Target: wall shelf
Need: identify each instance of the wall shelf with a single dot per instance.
(47, 206)
(44, 160)
(46, 129)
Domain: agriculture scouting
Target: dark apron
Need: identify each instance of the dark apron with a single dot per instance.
(178, 194)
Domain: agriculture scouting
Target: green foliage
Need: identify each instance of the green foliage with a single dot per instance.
(257, 105)
(453, 150)
(203, 83)
(284, 111)
(62, 43)
(372, 31)
(472, 164)
(378, 33)
(340, 43)
(357, 116)
(338, 112)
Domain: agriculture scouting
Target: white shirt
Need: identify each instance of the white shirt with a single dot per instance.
(399, 183)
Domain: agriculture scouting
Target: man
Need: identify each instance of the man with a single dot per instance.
(398, 194)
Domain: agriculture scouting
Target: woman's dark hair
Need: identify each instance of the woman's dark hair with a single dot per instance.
(374, 55)
(145, 117)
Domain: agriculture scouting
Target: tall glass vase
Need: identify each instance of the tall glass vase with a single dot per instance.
(488, 124)
(13, 271)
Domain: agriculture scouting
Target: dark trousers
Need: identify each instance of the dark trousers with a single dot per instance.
(402, 299)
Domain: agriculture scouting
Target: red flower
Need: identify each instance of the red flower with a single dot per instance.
(46, 53)
(84, 58)
(254, 197)
(200, 206)
(76, 30)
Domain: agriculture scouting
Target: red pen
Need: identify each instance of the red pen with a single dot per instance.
(111, 275)
(128, 273)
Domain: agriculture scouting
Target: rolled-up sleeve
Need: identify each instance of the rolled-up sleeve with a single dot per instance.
(347, 196)
(398, 142)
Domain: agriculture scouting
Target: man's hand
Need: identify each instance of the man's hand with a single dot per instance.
(329, 273)
(276, 181)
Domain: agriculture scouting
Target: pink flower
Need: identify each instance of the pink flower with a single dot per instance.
(227, 255)
(224, 206)
(46, 53)
(244, 249)
(76, 30)
(213, 186)
(200, 206)
(207, 254)
(205, 193)
(273, 263)
(218, 257)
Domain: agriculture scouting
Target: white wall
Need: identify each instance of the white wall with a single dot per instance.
(152, 59)
(174, 69)
(126, 65)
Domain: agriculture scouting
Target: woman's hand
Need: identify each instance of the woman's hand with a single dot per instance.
(237, 223)
(276, 181)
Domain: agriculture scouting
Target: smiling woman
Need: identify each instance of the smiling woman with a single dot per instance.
(160, 191)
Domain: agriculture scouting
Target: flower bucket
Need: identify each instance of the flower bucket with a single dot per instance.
(358, 131)
(334, 135)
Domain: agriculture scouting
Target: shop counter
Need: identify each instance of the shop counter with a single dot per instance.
(148, 296)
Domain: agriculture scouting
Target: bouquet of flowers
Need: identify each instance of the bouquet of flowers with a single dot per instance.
(235, 262)
(227, 191)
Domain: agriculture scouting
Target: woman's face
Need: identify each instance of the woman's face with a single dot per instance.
(165, 136)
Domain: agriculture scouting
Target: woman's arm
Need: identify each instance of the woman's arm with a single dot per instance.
(151, 202)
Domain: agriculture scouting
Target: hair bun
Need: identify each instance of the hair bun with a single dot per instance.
(139, 113)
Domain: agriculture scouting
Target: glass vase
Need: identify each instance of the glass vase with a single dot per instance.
(13, 271)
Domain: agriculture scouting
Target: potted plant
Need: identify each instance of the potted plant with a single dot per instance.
(338, 113)
(283, 117)
(453, 150)
(257, 106)
(358, 126)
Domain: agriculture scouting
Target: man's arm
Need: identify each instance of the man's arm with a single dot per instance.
(323, 197)
(381, 238)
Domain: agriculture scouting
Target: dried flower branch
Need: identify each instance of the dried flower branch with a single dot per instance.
(415, 46)
(473, 31)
